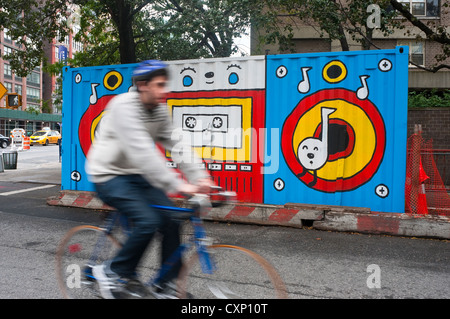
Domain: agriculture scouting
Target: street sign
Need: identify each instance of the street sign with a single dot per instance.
(3, 90)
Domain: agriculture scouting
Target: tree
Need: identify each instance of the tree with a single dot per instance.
(339, 20)
(29, 23)
(126, 31)
(166, 29)
(347, 19)
(433, 32)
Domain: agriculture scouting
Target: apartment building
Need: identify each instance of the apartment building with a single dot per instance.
(307, 38)
(59, 50)
(37, 89)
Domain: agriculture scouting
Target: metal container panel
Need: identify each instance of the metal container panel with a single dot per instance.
(217, 104)
(358, 100)
(86, 92)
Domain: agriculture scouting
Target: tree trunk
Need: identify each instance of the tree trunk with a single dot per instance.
(127, 46)
(122, 17)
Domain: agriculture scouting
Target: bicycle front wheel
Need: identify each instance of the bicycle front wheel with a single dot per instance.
(238, 273)
(82, 248)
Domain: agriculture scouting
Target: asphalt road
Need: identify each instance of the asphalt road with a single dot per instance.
(313, 264)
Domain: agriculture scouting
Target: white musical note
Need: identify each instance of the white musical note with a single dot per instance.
(363, 92)
(304, 85)
(93, 98)
(313, 152)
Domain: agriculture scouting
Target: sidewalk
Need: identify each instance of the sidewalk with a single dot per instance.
(321, 217)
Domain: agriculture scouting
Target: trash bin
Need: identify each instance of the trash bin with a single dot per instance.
(10, 160)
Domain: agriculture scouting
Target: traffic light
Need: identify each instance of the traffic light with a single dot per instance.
(13, 100)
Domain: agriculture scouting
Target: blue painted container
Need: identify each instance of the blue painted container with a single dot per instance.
(86, 91)
(324, 128)
(340, 120)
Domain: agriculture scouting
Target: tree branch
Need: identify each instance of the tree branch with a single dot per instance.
(441, 38)
(433, 69)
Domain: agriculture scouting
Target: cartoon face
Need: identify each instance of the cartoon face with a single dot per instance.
(218, 74)
(189, 76)
(313, 152)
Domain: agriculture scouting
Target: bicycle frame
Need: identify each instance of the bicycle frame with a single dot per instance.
(199, 241)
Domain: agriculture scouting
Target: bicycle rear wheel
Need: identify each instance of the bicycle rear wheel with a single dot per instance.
(82, 248)
(239, 273)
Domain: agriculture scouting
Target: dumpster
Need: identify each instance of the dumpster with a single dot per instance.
(10, 160)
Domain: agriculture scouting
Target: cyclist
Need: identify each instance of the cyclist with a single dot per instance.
(130, 174)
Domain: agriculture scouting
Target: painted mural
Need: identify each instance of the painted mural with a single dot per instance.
(325, 128)
(219, 105)
(342, 120)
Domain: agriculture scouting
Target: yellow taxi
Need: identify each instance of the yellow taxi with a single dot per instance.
(45, 137)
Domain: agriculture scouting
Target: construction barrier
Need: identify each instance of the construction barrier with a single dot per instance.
(425, 192)
(26, 143)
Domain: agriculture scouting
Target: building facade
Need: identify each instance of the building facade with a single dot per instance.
(38, 89)
(307, 38)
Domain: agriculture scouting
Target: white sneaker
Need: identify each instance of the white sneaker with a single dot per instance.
(111, 286)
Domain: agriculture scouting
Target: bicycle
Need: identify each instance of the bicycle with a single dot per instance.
(209, 270)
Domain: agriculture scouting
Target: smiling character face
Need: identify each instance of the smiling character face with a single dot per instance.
(214, 75)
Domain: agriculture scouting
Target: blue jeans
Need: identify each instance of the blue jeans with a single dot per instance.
(132, 196)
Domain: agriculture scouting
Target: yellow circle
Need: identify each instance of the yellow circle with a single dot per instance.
(337, 65)
(112, 80)
(94, 125)
(365, 138)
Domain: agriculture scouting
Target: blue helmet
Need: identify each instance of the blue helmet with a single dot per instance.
(148, 69)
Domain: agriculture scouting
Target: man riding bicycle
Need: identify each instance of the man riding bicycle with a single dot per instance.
(130, 174)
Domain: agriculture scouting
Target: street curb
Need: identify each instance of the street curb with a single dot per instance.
(321, 217)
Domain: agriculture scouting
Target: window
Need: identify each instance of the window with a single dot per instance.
(428, 8)
(6, 36)
(8, 86)
(8, 50)
(33, 95)
(34, 79)
(416, 52)
(19, 89)
(7, 71)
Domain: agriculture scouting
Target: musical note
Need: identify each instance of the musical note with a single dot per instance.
(363, 92)
(93, 98)
(304, 85)
(313, 152)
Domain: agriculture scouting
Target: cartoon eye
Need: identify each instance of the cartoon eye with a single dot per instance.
(112, 80)
(233, 78)
(187, 80)
(316, 148)
(305, 147)
(334, 72)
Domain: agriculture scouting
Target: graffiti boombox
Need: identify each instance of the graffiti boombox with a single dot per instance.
(323, 128)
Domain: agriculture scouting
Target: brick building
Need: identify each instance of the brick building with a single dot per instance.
(37, 88)
(307, 38)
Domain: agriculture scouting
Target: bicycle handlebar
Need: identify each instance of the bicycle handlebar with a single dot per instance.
(199, 203)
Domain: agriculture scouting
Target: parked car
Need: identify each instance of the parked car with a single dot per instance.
(5, 141)
(45, 137)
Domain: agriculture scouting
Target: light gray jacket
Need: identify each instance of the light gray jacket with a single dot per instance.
(125, 145)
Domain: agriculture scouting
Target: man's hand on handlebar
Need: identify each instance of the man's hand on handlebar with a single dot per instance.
(203, 186)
